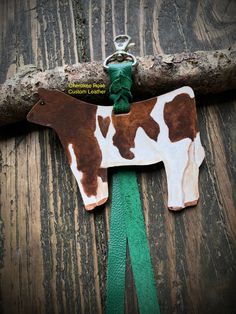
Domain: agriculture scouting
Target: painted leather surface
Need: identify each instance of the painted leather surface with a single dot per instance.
(163, 128)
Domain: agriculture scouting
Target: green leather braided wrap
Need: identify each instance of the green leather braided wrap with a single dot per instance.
(127, 227)
(121, 82)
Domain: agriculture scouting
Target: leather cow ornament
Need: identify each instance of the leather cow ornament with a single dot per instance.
(162, 128)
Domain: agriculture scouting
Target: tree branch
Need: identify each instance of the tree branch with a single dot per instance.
(205, 71)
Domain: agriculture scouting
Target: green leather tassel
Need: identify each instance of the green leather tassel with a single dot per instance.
(126, 222)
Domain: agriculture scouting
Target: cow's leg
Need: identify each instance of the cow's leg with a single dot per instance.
(175, 161)
(85, 180)
(190, 183)
(90, 202)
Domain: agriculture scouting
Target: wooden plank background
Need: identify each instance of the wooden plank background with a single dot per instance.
(53, 254)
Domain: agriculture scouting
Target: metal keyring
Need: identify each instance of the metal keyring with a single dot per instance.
(122, 44)
(116, 56)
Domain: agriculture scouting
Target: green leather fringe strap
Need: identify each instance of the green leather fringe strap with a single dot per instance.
(138, 243)
(127, 223)
(115, 288)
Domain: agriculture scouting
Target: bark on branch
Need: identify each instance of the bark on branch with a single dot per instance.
(205, 71)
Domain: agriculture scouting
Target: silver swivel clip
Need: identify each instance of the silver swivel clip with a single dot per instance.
(122, 45)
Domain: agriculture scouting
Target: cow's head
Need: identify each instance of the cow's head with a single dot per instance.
(46, 110)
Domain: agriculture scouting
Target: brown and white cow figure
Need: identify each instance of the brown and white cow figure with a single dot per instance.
(163, 128)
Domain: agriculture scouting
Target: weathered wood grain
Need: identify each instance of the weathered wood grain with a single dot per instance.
(53, 253)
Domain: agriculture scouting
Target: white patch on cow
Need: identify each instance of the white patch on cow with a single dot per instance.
(190, 180)
(145, 149)
(108, 150)
(110, 153)
(102, 192)
(175, 161)
(103, 112)
(199, 150)
(190, 184)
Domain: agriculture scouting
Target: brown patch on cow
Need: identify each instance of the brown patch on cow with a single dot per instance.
(181, 118)
(104, 125)
(75, 122)
(126, 126)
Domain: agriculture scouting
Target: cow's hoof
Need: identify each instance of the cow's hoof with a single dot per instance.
(175, 208)
(93, 205)
(187, 204)
(193, 203)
